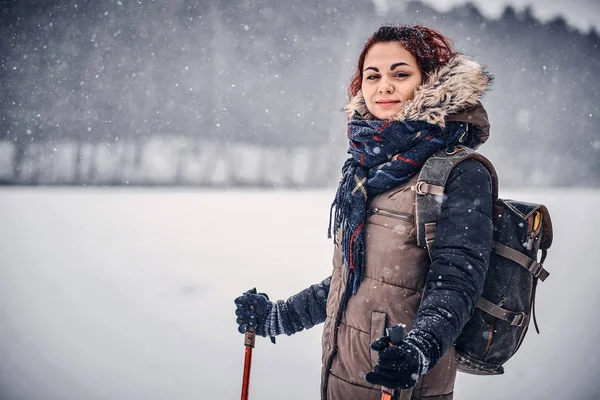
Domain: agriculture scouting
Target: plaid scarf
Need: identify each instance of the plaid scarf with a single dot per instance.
(384, 154)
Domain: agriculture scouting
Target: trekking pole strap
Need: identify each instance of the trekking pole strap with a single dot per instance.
(536, 269)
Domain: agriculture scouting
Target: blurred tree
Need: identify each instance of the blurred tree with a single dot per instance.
(107, 77)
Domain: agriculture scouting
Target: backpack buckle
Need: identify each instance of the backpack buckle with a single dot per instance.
(536, 268)
(519, 319)
(456, 149)
(423, 188)
(419, 188)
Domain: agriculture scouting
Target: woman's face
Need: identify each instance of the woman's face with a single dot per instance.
(390, 77)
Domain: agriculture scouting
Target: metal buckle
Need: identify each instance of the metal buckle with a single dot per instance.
(518, 319)
(456, 149)
(536, 268)
(419, 188)
(461, 139)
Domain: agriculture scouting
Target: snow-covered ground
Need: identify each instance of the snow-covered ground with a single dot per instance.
(128, 294)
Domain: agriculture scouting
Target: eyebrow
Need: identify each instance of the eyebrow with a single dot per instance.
(393, 67)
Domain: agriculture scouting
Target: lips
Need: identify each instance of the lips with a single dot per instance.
(387, 103)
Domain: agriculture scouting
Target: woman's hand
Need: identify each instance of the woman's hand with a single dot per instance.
(252, 311)
(398, 367)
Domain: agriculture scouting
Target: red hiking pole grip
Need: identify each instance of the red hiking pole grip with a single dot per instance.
(249, 343)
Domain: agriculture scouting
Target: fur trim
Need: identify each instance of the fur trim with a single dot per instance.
(358, 104)
(456, 86)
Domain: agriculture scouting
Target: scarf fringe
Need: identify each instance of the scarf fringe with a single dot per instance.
(353, 243)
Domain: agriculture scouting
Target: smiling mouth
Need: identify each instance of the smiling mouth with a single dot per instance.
(387, 103)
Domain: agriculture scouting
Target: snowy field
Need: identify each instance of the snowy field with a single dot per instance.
(128, 294)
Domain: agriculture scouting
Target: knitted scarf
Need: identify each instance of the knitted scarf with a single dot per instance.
(383, 155)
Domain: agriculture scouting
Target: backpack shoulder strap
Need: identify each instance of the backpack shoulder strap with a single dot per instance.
(430, 188)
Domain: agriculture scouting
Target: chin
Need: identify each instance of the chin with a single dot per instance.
(385, 115)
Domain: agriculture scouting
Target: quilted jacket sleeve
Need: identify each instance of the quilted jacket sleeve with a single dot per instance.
(301, 311)
(460, 257)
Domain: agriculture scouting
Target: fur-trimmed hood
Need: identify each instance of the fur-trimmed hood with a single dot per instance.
(451, 93)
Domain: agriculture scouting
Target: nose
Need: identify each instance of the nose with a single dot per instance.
(385, 87)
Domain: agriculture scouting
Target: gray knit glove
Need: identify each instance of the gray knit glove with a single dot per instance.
(301, 311)
(282, 319)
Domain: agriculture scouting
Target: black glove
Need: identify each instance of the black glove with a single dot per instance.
(398, 367)
(252, 311)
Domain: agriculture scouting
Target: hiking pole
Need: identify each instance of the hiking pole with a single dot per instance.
(396, 334)
(249, 343)
(249, 339)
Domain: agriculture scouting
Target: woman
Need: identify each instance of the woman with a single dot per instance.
(411, 96)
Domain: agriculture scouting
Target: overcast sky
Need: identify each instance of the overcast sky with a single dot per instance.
(582, 14)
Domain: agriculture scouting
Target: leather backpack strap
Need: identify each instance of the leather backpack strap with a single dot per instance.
(430, 188)
(513, 318)
(536, 268)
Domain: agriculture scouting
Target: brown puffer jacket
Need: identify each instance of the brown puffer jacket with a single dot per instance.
(390, 293)
(396, 270)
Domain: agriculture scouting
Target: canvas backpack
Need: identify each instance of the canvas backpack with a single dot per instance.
(497, 328)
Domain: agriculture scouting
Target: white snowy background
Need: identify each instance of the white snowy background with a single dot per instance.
(128, 294)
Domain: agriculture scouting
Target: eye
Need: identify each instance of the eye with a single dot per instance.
(371, 77)
(401, 75)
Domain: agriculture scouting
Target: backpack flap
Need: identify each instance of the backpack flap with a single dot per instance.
(547, 235)
(536, 219)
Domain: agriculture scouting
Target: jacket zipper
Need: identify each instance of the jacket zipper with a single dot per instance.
(391, 214)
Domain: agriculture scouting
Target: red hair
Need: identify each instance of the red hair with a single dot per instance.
(430, 48)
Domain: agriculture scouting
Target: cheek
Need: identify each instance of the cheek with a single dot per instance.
(410, 89)
(418, 83)
(367, 94)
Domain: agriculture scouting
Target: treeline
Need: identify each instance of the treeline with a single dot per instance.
(78, 77)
